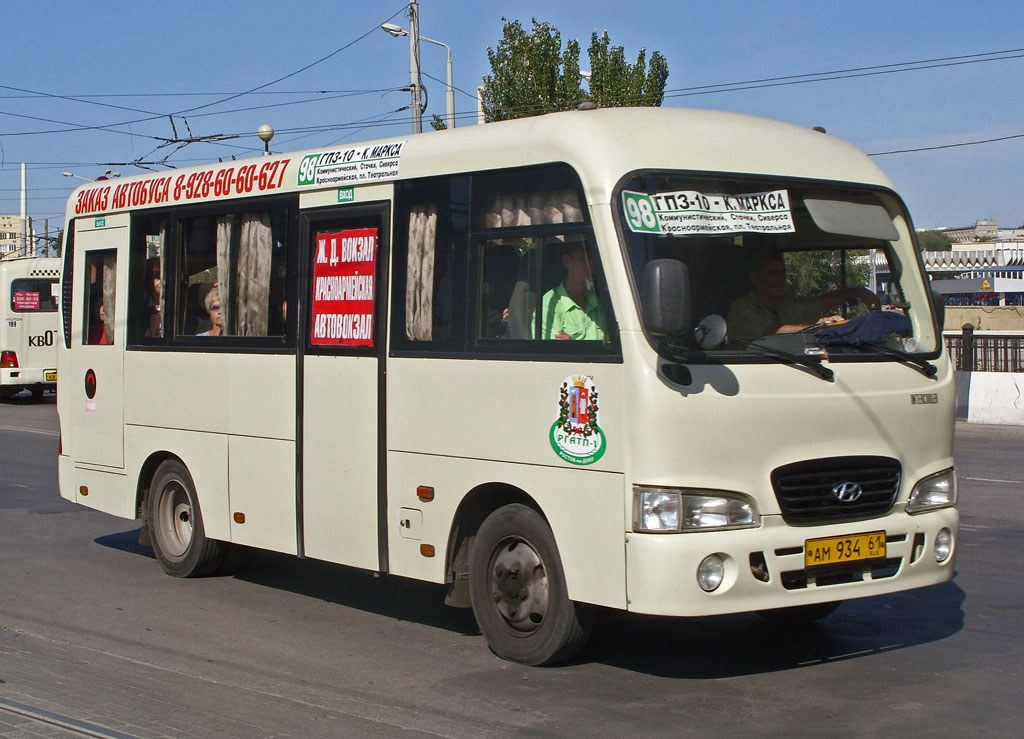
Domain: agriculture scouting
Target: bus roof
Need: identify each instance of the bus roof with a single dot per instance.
(602, 145)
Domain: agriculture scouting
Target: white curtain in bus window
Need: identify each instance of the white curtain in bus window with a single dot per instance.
(109, 277)
(419, 291)
(344, 287)
(534, 209)
(254, 248)
(225, 227)
(245, 291)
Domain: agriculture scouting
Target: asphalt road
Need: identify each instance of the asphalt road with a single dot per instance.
(95, 640)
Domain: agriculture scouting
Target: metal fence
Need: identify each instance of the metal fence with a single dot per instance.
(988, 352)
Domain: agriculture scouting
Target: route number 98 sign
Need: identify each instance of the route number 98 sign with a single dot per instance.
(688, 212)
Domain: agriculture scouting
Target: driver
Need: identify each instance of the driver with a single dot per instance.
(766, 310)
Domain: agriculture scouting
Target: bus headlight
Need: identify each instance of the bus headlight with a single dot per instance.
(935, 491)
(667, 510)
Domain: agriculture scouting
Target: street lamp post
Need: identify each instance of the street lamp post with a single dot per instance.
(77, 176)
(414, 68)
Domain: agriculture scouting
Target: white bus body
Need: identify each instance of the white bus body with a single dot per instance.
(352, 354)
(29, 325)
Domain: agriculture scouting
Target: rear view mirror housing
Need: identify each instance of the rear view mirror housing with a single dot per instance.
(665, 296)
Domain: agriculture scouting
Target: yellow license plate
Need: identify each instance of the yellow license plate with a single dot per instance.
(841, 549)
(51, 377)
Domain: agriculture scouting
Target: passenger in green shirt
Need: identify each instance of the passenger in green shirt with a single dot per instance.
(572, 310)
(765, 310)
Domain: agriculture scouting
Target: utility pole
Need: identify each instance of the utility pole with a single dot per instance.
(24, 213)
(414, 66)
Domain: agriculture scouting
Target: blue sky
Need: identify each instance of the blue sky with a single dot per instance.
(136, 54)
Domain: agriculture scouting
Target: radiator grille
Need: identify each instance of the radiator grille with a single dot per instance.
(805, 489)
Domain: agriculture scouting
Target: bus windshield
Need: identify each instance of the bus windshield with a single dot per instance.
(779, 265)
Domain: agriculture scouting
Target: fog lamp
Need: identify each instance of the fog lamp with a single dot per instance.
(943, 545)
(933, 492)
(710, 573)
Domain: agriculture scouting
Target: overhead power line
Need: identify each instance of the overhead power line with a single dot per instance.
(853, 72)
(156, 116)
(948, 146)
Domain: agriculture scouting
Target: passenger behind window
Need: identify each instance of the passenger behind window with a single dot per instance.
(151, 316)
(572, 310)
(212, 304)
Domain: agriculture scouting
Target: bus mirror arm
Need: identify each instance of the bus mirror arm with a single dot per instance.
(665, 296)
(939, 301)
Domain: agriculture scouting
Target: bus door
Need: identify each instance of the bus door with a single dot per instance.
(96, 380)
(341, 388)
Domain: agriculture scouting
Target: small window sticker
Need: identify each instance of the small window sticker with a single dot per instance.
(575, 436)
(688, 212)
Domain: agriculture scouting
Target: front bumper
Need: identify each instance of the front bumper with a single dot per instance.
(661, 568)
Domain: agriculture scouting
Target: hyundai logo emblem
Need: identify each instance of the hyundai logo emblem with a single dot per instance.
(847, 492)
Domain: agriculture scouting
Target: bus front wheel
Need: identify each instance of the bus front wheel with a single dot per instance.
(518, 590)
(176, 525)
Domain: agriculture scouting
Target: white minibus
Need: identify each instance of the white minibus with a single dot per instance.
(29, 325)
(619, 359)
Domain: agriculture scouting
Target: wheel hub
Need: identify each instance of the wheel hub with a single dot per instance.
(519, 585)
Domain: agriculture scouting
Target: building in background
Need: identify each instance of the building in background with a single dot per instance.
(982, 232)
(10, 238)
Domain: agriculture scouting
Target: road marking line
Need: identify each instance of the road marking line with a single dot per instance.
(31, 431)
(986, 479)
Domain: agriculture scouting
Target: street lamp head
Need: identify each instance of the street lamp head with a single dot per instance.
(393, 29)
(266, 133)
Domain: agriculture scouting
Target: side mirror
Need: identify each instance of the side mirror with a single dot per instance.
(710, 332)
(665, 296)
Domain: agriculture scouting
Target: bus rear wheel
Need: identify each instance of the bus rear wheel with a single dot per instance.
(176, 525)
(517, 588)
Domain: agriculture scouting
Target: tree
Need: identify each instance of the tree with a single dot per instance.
(934, 241)
(531, 74)
(615, 83)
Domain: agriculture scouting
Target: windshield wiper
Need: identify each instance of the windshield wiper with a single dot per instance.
(925, 367)
(810, 362)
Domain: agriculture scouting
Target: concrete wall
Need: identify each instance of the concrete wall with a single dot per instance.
(985, 318)
(990, 397)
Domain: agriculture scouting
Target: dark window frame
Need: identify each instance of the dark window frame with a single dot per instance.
(175, 216)
(464, 343)
(48, 280)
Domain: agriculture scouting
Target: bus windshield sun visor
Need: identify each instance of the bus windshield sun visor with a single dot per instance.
(851, 219)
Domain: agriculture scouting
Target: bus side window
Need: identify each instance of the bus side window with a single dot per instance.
(541, 281)
(100, 275)
(147, 278)
(429, 252)
(234, 274)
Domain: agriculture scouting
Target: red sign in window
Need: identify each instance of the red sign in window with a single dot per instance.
(344, 287)
(26, 301)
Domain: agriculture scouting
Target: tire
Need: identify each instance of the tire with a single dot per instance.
(517, 588)
(176, 525)
(37, 392)
(799, 615)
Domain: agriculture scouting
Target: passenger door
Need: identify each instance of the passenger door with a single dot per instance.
(340, 396)
(98, 336)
